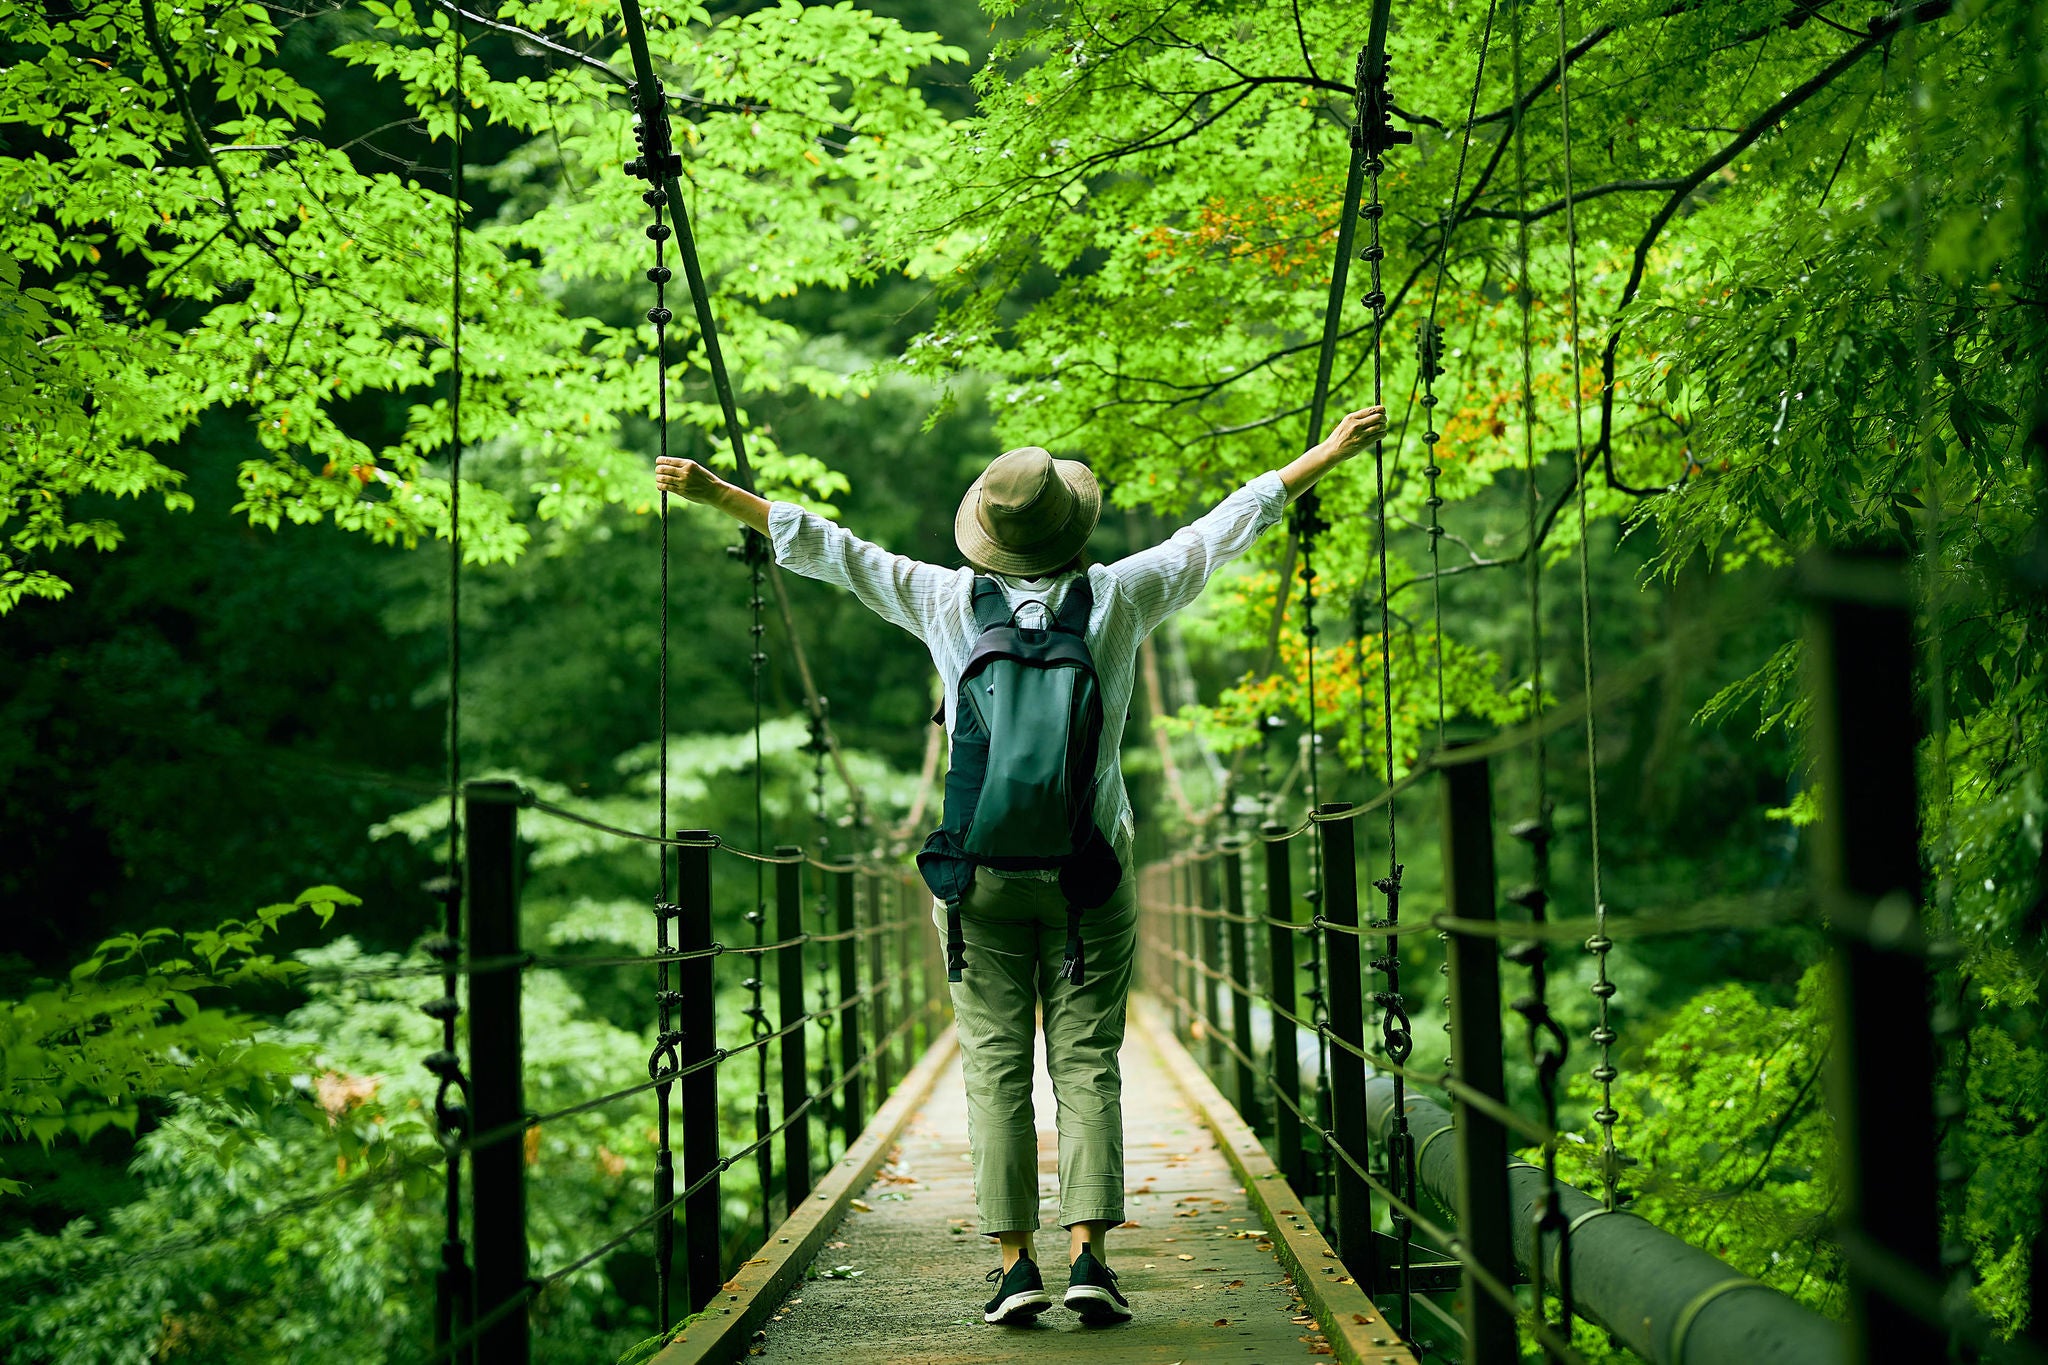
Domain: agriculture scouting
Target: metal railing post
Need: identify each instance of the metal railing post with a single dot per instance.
(696, 1020)
(1209, 937)
(878, 983)
(1241, 992)
(852, 1116)
(1176, 932)
(789, 994)
(497, 1173)
(1867, 863)
(1285, 1059)
(1347, 1026)
(899, 984)
(1482, 1141)
(930, 964)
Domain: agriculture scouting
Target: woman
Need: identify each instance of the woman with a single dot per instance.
(1024, 523)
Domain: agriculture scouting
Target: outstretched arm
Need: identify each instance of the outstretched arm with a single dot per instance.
(1352, 434)
(691, 480)
(1160, 581)
(901, 590)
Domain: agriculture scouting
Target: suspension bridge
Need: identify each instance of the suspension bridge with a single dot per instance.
(1299, 1187)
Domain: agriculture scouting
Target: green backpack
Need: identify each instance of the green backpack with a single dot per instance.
(1020, 793)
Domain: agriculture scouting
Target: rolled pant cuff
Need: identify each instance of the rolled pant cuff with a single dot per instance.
(995, 1218)
(1091, 1213)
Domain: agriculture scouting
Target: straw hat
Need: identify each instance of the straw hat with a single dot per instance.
(1027, 514)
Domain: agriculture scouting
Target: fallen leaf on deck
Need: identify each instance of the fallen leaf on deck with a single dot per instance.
(1184, 1257)
(1223, 1322)
(1234, 1284)
(835, 1246)
(1360, 1318)
(1303, 1320)
(1345, 1279)
(863, 1206)
(1131, 1224)
(758, 1260)
(1329, 1253)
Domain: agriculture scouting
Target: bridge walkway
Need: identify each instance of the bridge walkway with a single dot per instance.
(901, 1279)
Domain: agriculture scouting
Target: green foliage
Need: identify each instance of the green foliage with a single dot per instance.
(1120, 250)
(128, 1026)
(1725, 1115)
(306, 1228)
(275, 275)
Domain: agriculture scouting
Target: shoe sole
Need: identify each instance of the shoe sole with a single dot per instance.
(1019, 1308)
(1095, 1305)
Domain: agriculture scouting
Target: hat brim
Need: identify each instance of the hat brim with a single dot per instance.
(984, 551)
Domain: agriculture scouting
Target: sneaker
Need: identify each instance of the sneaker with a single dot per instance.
(1020, 1295)
(1092, 1292)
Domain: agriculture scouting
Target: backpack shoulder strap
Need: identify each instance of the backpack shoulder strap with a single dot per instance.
(1078, 606)
(991, 608)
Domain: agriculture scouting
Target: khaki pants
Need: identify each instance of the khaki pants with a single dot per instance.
(1016, 932)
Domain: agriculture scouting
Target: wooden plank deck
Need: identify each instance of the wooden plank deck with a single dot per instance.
(900, 1282)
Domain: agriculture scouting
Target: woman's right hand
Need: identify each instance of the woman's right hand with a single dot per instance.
(686, 478)
(1355, 431)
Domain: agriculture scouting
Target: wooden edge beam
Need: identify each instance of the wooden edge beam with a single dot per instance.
(723, 1331)
(1357, 1330)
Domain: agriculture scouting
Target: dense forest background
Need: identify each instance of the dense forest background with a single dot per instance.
(1799, 300)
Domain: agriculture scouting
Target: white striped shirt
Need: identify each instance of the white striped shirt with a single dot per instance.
(1132, 597)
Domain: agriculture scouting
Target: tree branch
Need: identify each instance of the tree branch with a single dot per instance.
(193, 132)
(1557, 205)
(1753, 130)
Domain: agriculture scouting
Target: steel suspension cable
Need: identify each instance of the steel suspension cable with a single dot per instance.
(1600, 944)
(1549, 1046)
(823, 842)
(754, 549)
(1308, 522)
(665, 1060)
(1396, 1030)
(452, 1301)
(1429, 364)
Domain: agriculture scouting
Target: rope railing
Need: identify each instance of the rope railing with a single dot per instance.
(887, 1004)
(1513, 1222)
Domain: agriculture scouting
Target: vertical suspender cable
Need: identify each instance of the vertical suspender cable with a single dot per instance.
(1548, 1043)
(1600, 944)
(1396, 1031)
(764, 1155)
(1307, 523)
(451, 1109)
(666, 1058)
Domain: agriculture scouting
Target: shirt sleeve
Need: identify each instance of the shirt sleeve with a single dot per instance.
(901, 590)
(1160, 581)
